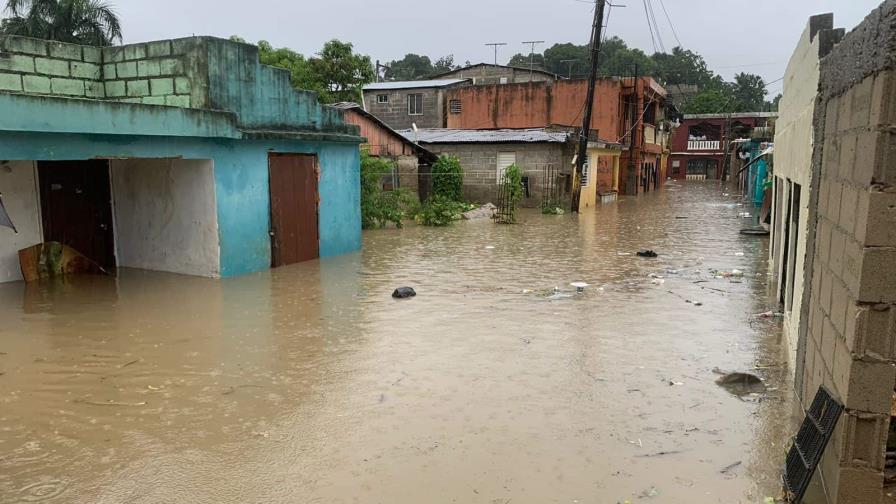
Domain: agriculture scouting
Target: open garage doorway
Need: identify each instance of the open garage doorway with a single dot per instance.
(76, 207)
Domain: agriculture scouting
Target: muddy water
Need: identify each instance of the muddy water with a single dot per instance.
(310, 384)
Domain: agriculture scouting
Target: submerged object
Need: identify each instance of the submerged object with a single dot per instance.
(403, 292)
(52, 259)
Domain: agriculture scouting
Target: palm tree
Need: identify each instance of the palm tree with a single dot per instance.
(88, 22)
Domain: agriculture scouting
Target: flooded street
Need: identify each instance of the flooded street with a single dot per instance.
(311, 384)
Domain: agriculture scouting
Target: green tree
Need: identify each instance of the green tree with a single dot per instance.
(411, 67)
(301, 75)
(341, 72)
(88, 22)
(444, 64)
(748, 92)
(555, 56)
(682, 66)
(711, 101)
(536, 60)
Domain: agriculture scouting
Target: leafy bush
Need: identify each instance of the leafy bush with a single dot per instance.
(440, 211)
(379, 207)
(448, 178)
(513, 190)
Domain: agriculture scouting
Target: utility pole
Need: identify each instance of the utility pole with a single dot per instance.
(596, 30)
(532, 55)
(569, 64)
(496, 45)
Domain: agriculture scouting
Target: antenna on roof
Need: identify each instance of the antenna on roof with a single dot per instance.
(532, 55)
(496, 45)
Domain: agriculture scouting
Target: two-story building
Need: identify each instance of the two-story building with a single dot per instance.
(699, 143)
(404, 104)
(627, 111)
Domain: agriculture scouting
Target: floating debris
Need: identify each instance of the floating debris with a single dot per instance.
(580, 286)
(647, 253)
(403, 292)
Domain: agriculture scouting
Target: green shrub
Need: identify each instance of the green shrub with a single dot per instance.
(513, 190)
(440, 211)
(448, 178)
(378, 207)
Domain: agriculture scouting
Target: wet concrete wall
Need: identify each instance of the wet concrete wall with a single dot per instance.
(793, 165)
(18, 185)
(241, 185)
(537, 105)
(480, 164)
(165, 215)
(849, 337)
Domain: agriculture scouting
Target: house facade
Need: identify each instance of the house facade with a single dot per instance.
(404, 104)
(793, 172)
(627, 111)
(698, 144)
(846, 339)
(544, 156)
(183, 155)
(484, 74)
(412, 162)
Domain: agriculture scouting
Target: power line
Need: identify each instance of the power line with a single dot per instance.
(656, 25)
(649, 26)
(677, 40)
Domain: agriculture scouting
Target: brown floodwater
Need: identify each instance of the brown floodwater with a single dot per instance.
(311, 384)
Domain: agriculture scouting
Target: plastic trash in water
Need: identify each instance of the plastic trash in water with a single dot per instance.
(580, 286)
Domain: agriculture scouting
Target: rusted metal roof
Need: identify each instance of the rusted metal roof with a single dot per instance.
(443, 135)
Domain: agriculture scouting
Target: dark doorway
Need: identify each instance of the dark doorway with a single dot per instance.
(294, 205)
(76, 207)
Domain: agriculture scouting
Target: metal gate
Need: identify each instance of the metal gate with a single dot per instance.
(294, 208)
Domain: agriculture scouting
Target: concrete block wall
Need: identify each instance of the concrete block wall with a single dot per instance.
(850, 341)
(480, 164)
(154, 73)
(50, 68)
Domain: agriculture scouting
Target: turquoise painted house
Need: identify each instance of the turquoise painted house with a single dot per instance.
(183, 155)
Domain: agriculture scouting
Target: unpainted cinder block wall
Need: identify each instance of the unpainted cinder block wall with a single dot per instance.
(480, 164)
(850, 341)
(164, 72)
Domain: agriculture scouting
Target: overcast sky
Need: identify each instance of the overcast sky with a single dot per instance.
(756, 36)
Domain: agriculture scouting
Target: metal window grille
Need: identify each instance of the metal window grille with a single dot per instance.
(809, 444)
(455, 106)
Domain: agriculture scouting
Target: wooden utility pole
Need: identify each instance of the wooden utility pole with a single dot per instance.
(582, 153)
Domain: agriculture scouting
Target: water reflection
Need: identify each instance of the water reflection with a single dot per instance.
(310, 383)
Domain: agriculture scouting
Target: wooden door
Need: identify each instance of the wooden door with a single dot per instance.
(294, 208)
(76, 207)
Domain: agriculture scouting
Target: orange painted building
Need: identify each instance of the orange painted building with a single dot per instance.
(619, 103)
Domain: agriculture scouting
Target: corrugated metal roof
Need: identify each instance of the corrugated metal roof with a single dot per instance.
(345, 105)
(442, 135)
(377, 86)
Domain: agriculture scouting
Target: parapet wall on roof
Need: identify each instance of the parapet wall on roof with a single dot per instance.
(195, 72)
